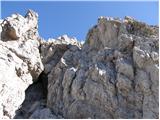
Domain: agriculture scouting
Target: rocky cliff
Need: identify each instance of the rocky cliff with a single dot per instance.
(114, 74)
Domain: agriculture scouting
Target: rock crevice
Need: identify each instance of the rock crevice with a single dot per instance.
(114, 74)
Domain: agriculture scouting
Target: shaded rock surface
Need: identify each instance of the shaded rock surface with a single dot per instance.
(114, 74)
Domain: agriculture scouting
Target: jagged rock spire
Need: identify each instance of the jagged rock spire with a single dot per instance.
(19, 27)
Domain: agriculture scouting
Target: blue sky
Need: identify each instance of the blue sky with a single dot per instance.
(76, 18)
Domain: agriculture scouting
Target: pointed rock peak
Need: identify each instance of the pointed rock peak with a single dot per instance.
(18, 27)
(64, 37)
(32, 18)
(31, 14)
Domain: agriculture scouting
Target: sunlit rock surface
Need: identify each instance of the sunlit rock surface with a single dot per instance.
(114, 74)
(20, 62)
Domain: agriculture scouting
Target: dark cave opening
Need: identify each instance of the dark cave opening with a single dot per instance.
(35, 97)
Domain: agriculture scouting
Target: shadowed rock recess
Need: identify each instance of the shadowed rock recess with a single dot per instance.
(114, 74)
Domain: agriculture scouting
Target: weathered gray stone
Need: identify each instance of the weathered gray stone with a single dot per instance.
(114, 74)
(43, 114)
(125, 67)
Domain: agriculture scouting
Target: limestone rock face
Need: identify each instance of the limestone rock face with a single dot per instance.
(114, 74)
(20, 62)
(110, 76)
